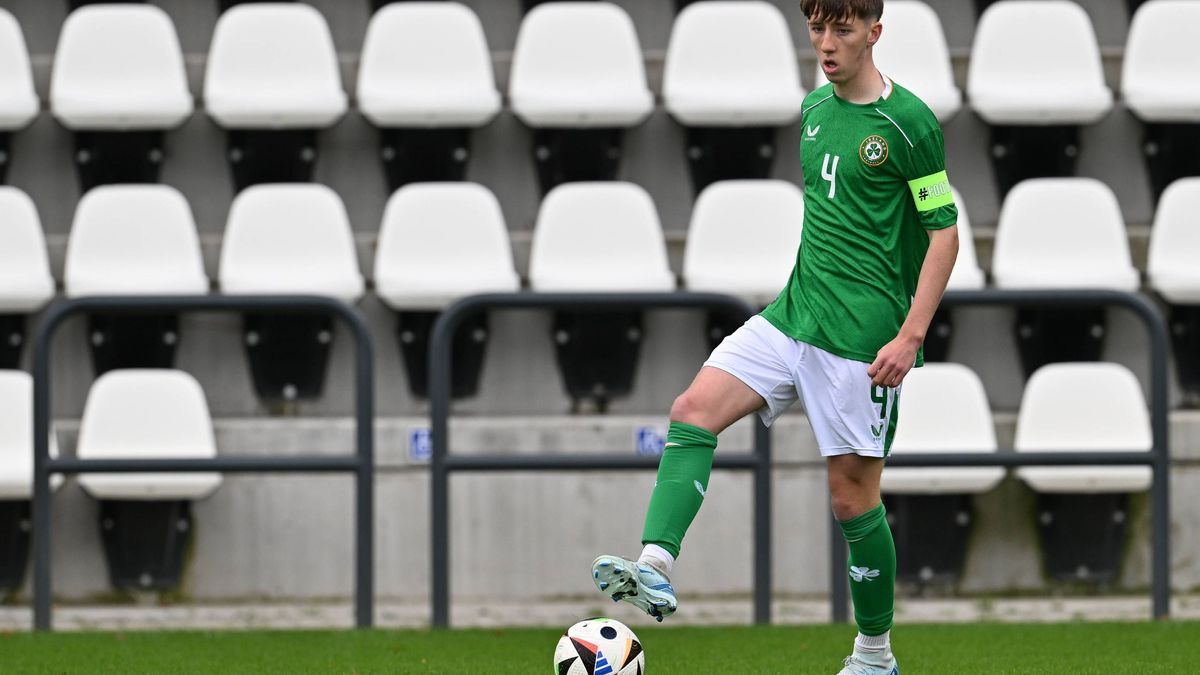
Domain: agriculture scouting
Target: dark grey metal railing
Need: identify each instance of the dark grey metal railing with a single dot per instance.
(1158, 457)
(361, 463)
(443, 462)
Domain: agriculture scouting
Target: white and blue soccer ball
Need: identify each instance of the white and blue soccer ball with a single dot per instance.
(599, 647)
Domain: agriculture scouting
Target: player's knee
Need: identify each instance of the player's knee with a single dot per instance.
(849, 497)
(689, 409)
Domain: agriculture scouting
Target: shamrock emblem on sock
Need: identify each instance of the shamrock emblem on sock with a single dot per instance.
(860, 573)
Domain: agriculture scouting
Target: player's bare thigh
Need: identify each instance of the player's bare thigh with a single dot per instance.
(853, 484)
(715, 400)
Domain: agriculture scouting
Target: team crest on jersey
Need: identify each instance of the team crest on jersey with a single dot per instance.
(873, 151)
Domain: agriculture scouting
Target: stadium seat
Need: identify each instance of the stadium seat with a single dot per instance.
(224, 5)
(945, 409)
(1039, 220)
(440, 242)
(1036, 98)
(119, 83)
(1083, 509)
(966, 276)
(595, 238)
(25, 281)
(1175, 276)
(133, 240)
(289, 239)
(1160, 81)
(578, 80)
(913, 53)
(426, 81)
(18, 100)
(146, 518)
(16, 476)
(731, 78)
(273, 106)
(742, 240)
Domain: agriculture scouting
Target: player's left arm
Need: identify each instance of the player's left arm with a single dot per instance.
(897, 357)
(934, 202)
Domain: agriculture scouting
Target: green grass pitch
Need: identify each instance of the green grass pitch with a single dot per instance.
(922, 650)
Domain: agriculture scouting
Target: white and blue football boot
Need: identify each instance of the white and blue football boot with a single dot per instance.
(861, 664)
(637, 583)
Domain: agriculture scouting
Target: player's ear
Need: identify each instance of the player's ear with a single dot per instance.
(873, 34)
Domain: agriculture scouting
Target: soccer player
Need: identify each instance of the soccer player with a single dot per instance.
(879, 241)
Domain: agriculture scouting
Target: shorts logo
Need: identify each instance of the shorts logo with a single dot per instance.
(873, 151)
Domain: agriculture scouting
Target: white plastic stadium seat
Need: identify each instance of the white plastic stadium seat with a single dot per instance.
(732, 64)
(966, 275)
(273, 65)
(290, 239)
(439, 242)
(1175, 244)
(1087, 407)
(1160, 76)
(18, 100)
(602, 236)
(119, 66)
(426, 64)
(16, 437)
(1062, 233)
(743, 238)
(133, 240)
(913, 53)
(147, 414)
(1037, 62)
(944, 408)
(25, 281)
(579, 64)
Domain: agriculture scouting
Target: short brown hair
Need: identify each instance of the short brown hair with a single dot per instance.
(837, 10)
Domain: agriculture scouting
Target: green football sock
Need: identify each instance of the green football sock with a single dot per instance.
(872, 570)
(679, 490)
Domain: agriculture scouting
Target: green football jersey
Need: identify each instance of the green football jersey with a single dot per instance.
(874, 182)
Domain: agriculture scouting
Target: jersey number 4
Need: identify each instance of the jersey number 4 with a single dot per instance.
(830, 173)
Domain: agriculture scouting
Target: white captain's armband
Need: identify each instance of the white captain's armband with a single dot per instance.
(931, 192)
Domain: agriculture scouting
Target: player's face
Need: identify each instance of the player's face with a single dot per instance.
(842, 45)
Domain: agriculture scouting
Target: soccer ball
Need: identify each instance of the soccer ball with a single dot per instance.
(599, 647)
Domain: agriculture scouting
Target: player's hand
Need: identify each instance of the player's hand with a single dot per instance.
(893, 362)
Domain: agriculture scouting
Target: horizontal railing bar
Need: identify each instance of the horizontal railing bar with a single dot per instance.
(578, 462)
(1082, 458)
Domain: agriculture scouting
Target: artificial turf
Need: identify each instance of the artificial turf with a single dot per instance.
(921, 649)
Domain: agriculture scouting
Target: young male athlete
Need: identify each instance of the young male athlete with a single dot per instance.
(879, 242)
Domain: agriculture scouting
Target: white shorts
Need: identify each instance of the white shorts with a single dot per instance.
(848, 414)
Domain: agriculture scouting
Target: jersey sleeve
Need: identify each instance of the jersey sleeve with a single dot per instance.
(929, 184)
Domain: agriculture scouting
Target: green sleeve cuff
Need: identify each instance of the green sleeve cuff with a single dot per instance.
(931, 192)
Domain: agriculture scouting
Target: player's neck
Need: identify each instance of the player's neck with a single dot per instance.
(865, 87)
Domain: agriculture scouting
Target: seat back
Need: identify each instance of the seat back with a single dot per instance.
(442, 241)
(25, 281)
(290, 239)
(732, 63)
(18, 100)
(579, 64)
(1060, 81)
(1160, 74)
(1175, 243)
(426, 64)
(119, 66)
(743, 239)
(943, 408)
(147, 414)
(599, 237)
(134, 240)
(273, 65)
(1084, 407)
(967, 275)
(16, 437)
(1044, 217)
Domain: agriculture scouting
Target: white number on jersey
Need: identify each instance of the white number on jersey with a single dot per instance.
(830, 174)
